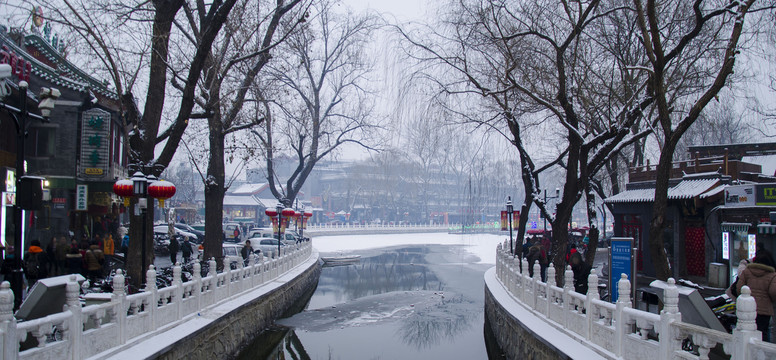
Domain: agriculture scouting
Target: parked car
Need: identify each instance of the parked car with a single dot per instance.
(266, 245)
(200, 235)
(229, 231)
(162, 229)
(289, 236)
(231, 252)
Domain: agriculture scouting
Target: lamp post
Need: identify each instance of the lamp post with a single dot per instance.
(46, 105)
(279, 211)
(509, 220)
(140, 190)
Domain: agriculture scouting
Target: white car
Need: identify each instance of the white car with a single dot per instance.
(162, 230)
(289, 238)
(231, 252)
(266, 245)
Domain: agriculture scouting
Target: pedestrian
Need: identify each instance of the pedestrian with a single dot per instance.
(761, 279)
(109, 248)
(35, 264)
(246, 251)
(61, 255)
(125, 245)
(74, 260)
(237, 233)
(581, 272)
(94, 259)
(173, 247)
(536, 253)
(186, 250)
(51, 256)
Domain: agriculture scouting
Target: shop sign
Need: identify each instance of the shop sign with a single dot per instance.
(621, 255)
(752, 239)
(10, 180)
(725, 245)
(739, 195)
(95, 142)
(81, 196)
(766, 194)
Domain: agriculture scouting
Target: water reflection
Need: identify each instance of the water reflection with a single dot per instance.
(391, 305)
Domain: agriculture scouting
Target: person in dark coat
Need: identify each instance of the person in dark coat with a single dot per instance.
(74, 261)
(246, 251)
(173, 247)
(35, 263)
(186, 250)
(761, 279)
(581, 272)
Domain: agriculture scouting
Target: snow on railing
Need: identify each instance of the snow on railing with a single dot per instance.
(80, 332)
(352, 226)
(620, 329)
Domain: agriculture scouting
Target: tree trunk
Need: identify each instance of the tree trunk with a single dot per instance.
(656, 226)
(214, 194)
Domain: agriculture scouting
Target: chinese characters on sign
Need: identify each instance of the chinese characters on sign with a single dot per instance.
(621, 263)
(81, 196)
(95, 147)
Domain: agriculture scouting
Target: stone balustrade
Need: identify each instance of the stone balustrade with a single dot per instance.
(329, 226)
(80, 332)
(620, 331)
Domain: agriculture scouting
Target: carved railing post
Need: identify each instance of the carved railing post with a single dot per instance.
(75, 327)
(591, 315)
(177, 291)
(537, 276)
(568, 287)
(746, 328)
(227, 277)
(623, 301)
(669, 315)
(153, 299)
(197, 291)
(8, 323)
(551, 276)
(120, 305)
(524, 279)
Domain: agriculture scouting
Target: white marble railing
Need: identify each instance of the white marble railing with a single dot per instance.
(621, 330)
(80, 332)
(327, 226)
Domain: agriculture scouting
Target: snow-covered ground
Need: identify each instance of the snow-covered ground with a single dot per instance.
(480, 245)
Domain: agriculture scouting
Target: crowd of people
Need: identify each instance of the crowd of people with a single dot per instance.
(538, 248)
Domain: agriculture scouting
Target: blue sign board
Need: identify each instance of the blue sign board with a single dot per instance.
(620, 262)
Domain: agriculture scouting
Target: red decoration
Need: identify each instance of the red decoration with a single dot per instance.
(124, 189)
(270, 212)
(161, 190)
(695, 250)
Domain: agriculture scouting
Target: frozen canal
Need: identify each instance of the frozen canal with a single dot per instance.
(413, 296)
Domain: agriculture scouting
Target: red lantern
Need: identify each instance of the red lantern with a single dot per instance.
(161, 190)
(306, 216)
(124, 189)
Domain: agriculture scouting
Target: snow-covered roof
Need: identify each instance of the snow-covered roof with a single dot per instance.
(233, 200)
(268, 203)
(686, 189)
(249, 189)
(712, 192)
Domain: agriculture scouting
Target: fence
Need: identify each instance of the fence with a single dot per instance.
(330, 226)
(80, 332)
(621, 330)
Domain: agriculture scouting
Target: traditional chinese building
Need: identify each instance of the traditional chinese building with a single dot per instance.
(80, 150)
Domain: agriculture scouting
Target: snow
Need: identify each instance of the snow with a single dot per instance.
(151, 344)
(537, 324)
(481, 245)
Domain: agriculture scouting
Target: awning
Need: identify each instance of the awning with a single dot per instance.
(684, 190)
(737, 227)
(766, 229)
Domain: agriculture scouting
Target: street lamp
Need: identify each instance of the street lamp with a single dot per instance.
(509, 221)
(140, 190)
(46, 105)
(557, 195)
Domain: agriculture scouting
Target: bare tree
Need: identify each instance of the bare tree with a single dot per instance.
(236, 59)
(687, 43)
(321, 100)
(95, 32)
(542, 66)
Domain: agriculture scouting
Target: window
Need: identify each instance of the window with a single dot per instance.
(40, 142)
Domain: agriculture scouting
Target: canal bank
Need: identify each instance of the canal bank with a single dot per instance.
(222, 330)
(521, 333)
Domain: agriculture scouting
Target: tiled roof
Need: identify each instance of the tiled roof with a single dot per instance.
(233, 200)
(686, 189)
(251, 189)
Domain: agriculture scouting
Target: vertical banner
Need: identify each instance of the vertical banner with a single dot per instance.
(725, 245)
(620, 262)
(752, 242)
(504, 220)
(515, 219)
(81, 197)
